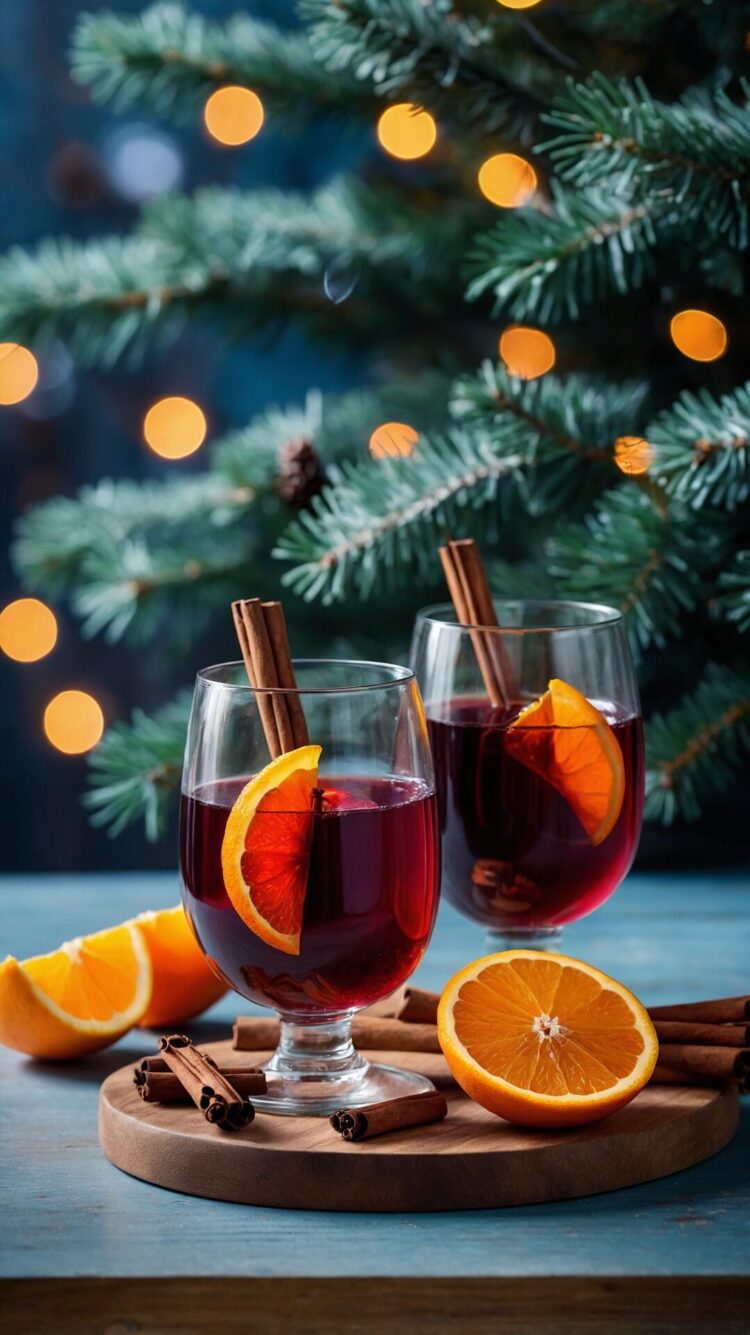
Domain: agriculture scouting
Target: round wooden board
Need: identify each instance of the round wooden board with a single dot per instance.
(470, 1161)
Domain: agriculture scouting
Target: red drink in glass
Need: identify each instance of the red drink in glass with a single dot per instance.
(370, 901)
(515, 854)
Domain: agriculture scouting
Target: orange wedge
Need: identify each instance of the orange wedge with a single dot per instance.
(545, 1040)
(568, 742)
(184, 984)
(78, 998)
(264, 854)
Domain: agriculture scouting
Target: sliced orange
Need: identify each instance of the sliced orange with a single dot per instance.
(545, 1040)
(184, 984)
(264, 856)
(564, 739)
(78, 998)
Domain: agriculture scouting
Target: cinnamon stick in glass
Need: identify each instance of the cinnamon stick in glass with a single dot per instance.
(273, 614)
(391, 1115)
(469, 589)
(722, 1010)
(221, 1104)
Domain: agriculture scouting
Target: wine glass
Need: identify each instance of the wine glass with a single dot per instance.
(540, 816)
(369, 866)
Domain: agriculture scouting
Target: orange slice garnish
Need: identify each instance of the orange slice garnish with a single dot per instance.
(568, 742)
(78, 998)
(184, 984)
(264, 855)
(545, 1040)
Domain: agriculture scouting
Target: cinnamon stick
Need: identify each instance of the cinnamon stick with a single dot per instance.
(725, 1064)
(470, 592)
(711, 1035)
(161, 1086)
(368, 1031)
(377, 1119)
(722, 1010)
(243, 625)
(468, 616)
(418, 1006)
(221, 1104)
(273, 614)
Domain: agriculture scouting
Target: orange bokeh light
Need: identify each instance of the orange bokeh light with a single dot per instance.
(698, 335)
(406, 131)
(393, 440)
(18, 373)
(73, 722)
(633, 455)
(233, 115)
(507, 180)
(519, 4)
(527, 352)
(174, 427)
(28, 630)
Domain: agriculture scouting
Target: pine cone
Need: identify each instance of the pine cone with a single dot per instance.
(301, 473)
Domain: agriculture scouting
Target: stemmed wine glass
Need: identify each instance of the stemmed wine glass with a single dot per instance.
(369, 866)
(539, 815)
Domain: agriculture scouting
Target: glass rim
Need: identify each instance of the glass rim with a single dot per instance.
(401, 677)
(605, 616)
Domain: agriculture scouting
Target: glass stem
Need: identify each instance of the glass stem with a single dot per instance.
(524, 938)
(312, 1049)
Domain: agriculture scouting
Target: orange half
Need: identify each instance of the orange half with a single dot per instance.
(545, 1040)
(264, 855)
(564, 739)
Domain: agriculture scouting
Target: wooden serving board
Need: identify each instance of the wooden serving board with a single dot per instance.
(470, 1161)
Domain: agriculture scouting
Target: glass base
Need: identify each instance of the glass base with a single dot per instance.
(523, 938)
(316, 1070)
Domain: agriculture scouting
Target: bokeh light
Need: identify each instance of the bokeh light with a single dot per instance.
(28, 630)
(73, 722)
(633, 455)
(174, 427)
(18, 372)
(393, 440)
(406, 131)
(507, 180)
(518, 4)
(527, 352)
(141, 161)
(233, 115)
(698, 335)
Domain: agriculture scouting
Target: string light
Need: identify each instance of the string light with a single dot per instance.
(174, 427)
(28, 630)
(393, 440)
(73, 722)
(406, 131)
(233, 115)
(527, 352)
(633, 455)
(698, 335)
(18, 373)
(507, 180)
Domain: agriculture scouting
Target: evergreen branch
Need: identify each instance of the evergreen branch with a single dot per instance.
(703, 448)
(135, 770)
(376, 515)
(695, 751)
(695, 152)
(631, 554)
(169, 61)
(467, 67)
(734, 598)
(548, 265)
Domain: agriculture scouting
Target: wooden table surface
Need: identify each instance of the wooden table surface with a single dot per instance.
(76, 1233)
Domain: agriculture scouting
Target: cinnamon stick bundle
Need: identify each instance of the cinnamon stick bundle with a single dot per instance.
(221, 1104)
(264, 644)
(724, 1065)
(377, 1119)
(155, 1083)
(469, 589)
(722, 1010)
(721, 1035)
(378, 1033)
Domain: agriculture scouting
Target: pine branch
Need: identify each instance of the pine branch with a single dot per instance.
(694, 153)
(695, 751)
(631, 554)
(734, 598)
(254, 258)
(703, 448)
(135, 770)
(547, 265)
(376, 515)
(169, 61)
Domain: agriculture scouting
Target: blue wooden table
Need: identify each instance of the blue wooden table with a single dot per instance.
(82, 1245)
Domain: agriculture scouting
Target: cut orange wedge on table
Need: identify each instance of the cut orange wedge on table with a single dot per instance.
(568, 742)
(264, 855)
(184, 984)
(78, 998)
(545, 1040)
